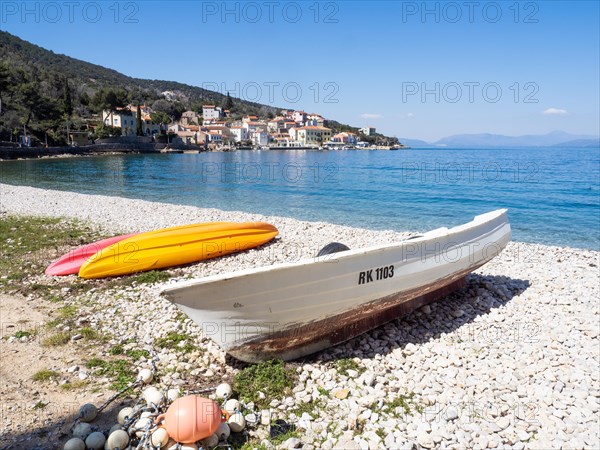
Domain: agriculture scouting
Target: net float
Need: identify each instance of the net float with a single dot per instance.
(82, 430)
(95, 441)
(231, 406)
(74, 444)
(223, 390)
(88, 412)
(124, 415)
(117, 440)
(192, 418)
(237, 422)
(160, 437)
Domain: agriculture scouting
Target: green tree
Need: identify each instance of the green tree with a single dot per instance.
(31, 100)
(4, 84)
(67, 101)
(139, 129)
(160, 118)
(84, 99)
(228, 104)
(109, 99)
(67, 106)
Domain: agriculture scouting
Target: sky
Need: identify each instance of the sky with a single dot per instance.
(420, 70)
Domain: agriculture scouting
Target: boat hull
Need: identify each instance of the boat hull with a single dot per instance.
(291, 310)
(176, 246)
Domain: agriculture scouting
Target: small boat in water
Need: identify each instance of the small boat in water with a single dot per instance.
(291, 310)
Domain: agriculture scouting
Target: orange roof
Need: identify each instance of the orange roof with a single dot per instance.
(208, 106)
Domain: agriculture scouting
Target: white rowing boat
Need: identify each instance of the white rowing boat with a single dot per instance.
(290, 310)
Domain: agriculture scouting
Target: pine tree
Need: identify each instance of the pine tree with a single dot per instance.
(67, 101)
(5, 83)
(139, 129)
(229, 102)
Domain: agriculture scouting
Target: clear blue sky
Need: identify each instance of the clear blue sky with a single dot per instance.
(412, 71)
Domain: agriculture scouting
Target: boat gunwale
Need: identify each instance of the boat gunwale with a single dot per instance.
(438, 233)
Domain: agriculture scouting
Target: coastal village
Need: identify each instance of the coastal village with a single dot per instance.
(216, 129)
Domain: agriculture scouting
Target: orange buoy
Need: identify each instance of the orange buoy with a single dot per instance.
(192, 418)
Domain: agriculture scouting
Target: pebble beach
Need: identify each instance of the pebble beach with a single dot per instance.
(511, 361)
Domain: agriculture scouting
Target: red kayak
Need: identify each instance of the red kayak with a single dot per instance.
(70, 263)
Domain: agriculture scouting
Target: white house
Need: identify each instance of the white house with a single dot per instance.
(253, 126)
(239, 133)
(126, 120)
(346, 138)
(123, 119)
(368, 131)
(276, 124)
(259, 137)
(299, 117)
(314, 120)
(211, 113)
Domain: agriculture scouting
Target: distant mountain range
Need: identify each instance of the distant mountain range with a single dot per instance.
(553, 139)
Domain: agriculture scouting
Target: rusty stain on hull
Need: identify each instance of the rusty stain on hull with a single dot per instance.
(316, 336)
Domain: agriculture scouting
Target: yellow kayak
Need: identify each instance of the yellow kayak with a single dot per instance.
(176, 246)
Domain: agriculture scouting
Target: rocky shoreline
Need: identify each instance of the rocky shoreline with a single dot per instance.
(509, 362)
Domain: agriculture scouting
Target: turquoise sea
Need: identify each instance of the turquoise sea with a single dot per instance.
(553, 195)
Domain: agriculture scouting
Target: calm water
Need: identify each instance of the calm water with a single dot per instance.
(553, 195)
